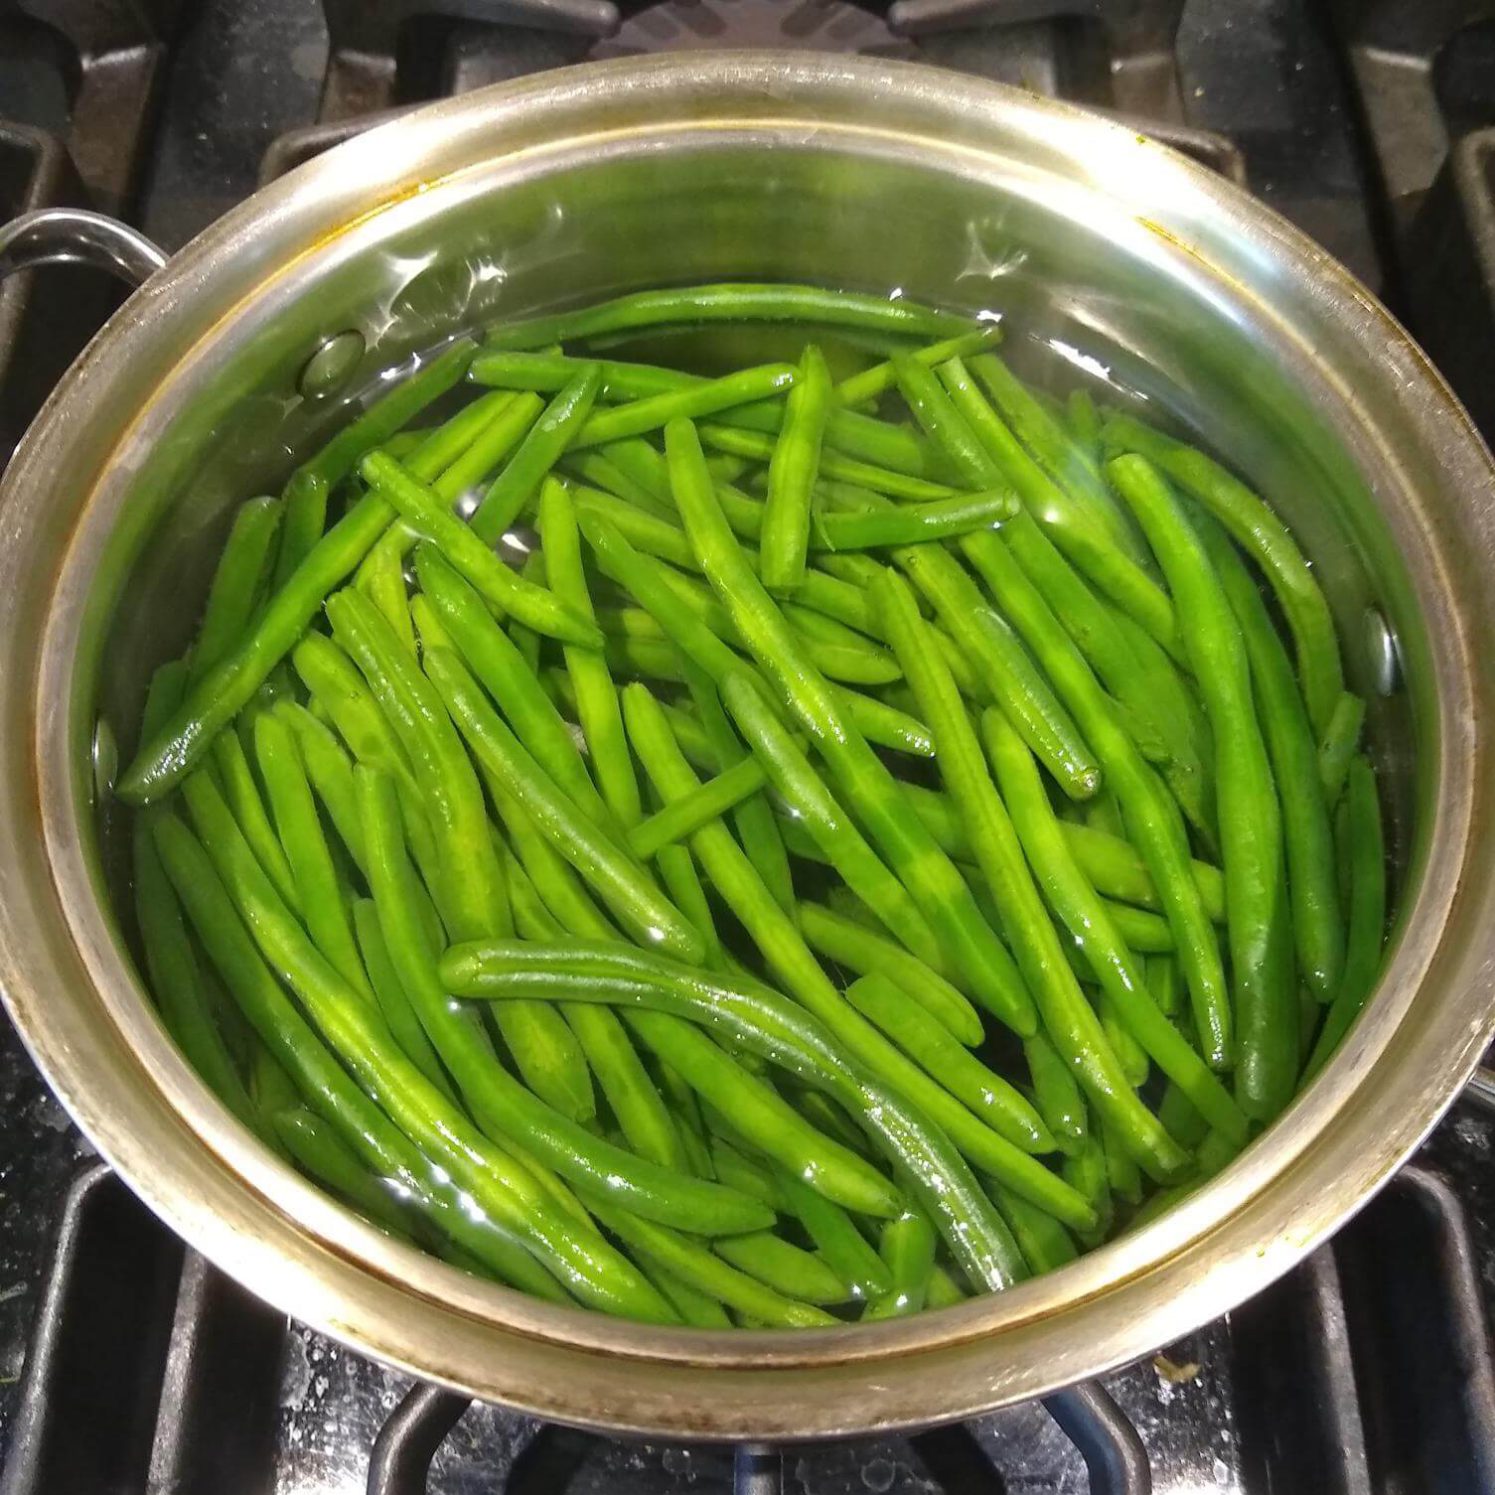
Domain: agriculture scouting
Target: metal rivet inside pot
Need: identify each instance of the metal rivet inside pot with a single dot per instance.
(1382, 653)
(329, 368)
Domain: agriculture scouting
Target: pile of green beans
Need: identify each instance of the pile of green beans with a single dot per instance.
(896, 829)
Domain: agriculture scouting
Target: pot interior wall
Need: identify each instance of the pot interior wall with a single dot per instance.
(1065, 267)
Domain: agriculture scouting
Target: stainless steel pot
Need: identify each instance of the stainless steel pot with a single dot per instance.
(851, 172)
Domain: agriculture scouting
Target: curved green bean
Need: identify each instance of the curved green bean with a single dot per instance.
(243, 566)
(907, 1248)
(785, 537)
(1337, 746)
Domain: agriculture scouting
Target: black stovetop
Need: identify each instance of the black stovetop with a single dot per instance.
(127, 1365)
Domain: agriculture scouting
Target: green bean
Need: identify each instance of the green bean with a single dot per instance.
(709, 397)
(1076, 904)
(1084, 423)
(1056, 1094)
(1067, 1018)
(694, 1307)
(1007, 674)
(542, 447)
(1257, 530)
(1129, 1053)
(733, 302)
(596, 696)
(834, 465)
(243, 566)
(677, 870)
(791, 476)
(943, 1290)
(710, 802)
(381, 578)
(837, 1238)
(758, 1113)
(176, 979)
(732, 1166)
(816, 808)
(641, 1114)
(871, 791)
(865, 951)
(784, 1267)
(877, 443)
(765, 1022)
(597, 470)
(907, 1248)
(791, 962)
(429, 628)
(708, 1273)
(469, 885)
(316, 1150)
(1121, 1167)
(310, 861)
(923, 1039)
(243, 794)
(330, 773)
(1318, 932)
(548, 372)
(1161, 975)
(428, 516)
(500, 1103)
(301, 525)
(753, 817)
(881, 377)
(1045, 1243)
(1250, 811)
(389, 414)
(1337, 746)
(1152, 819)
(1084, 1169)
(1118, 871)
(1055, 451)
(1366, 854)
(498, 665)
(623, 886)
(503, 1191)
(911, 524)
(394, 1001)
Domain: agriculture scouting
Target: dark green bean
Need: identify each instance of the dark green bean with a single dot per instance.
(876, 381)
(319, 896)
(1337, 746)
(1366, 854)
(871, 791)
(243, 566)
(1259, 531)
(1317, 928)
(507, 1195)
(301, 526)
(1250, 810)
(1045, 1243)
(317, 1151)
(1074, 900)
(765, 1022)
(790, 960)
(734, 302)
(1067, 1018)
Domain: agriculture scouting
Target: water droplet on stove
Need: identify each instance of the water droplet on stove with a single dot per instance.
(329, 368)
(1382, 652)
(877, 1475)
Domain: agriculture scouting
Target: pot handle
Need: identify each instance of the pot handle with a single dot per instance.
(75, 236)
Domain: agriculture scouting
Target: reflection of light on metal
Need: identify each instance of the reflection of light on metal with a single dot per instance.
(1081, 359)
(991, 252)
(513, 541)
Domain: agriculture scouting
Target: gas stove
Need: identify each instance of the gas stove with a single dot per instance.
(128, 1364)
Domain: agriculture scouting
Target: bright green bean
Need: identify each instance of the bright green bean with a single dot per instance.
(243, 566)
(301, 526)
(792, 472)
(1337, 746)
(1257, 530)
(784, 1267)
(243, 794)
(1045, 1243)
(1056, 1094)
(729, 302)
(394, 1001)
(881, 377)
(709, 397)
(837, 1238)
(710, 802)
(907, 1249)
(911, 524)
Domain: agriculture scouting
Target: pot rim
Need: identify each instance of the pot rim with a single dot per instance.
(290, 1244)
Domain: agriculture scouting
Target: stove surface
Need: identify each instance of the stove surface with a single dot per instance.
(128, 1365)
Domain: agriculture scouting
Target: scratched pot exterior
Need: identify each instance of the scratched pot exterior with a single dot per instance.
(845, 172)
